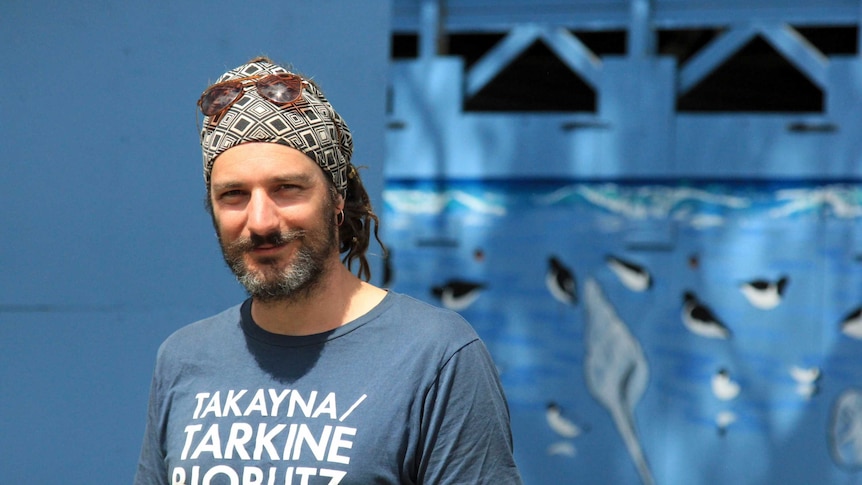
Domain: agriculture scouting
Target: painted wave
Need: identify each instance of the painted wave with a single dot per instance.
(701, 206)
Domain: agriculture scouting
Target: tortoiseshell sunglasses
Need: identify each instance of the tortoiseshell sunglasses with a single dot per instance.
(279, 89)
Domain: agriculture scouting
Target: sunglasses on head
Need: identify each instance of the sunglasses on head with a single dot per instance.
(279, 89)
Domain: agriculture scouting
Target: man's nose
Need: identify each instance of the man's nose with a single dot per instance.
(262, 214)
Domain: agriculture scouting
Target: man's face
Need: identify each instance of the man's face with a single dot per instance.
(274, 215)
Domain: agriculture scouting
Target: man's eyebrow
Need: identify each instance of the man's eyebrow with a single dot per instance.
(285, 178)
(225, 186)
(298, 177)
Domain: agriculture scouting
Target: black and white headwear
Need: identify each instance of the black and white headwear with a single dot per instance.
(309, 125)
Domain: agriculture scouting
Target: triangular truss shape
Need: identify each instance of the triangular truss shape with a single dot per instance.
(517, 73)
(756, 78)
(536, 80)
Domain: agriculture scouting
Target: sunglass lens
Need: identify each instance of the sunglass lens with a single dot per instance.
(219, 98)
(280, 89)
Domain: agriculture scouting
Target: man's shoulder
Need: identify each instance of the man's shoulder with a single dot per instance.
(424, 318)
(201, 332)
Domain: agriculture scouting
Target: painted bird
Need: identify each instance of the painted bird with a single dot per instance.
(559, 423)
(698, 318)
(634, 276)
(561, 282)
(805, 375)
(563, 448)
(851, 325)
(457, 294)
(806, 379)
(723, 420)
(723, 387)
(765, 294)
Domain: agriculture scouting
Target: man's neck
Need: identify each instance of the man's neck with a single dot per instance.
(340, 298)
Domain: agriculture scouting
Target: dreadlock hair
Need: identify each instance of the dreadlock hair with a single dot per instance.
(355, 232)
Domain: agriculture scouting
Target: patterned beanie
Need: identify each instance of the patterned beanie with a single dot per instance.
(310, 125)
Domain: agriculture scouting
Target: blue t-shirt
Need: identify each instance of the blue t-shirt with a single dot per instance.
(405, 394)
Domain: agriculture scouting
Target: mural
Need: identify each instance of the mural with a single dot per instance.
(662, 332)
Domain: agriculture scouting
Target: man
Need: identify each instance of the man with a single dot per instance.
(319, 377)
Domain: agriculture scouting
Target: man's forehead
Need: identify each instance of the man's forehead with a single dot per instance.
(264, 161)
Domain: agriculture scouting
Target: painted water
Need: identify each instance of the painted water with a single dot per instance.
(614, 376)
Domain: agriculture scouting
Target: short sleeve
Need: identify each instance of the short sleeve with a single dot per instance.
(151, 463)
(466, 433)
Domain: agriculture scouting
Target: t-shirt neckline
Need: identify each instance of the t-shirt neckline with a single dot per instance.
(256, 332)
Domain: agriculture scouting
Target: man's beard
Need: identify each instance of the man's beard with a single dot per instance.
(274, 279)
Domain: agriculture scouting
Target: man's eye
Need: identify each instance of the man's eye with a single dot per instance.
(230, 194)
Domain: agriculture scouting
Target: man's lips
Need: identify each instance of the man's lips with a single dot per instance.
(270, 249)
(267, 248)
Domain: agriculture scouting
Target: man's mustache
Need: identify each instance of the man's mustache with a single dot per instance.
(275, 238)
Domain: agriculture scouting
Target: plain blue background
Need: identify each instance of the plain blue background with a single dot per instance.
(106, 247)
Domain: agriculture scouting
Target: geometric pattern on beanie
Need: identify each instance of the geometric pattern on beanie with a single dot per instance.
(310, 125)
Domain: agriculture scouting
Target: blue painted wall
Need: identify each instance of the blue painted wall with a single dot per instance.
(705, 202)
(105, 247)
(626, 349)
